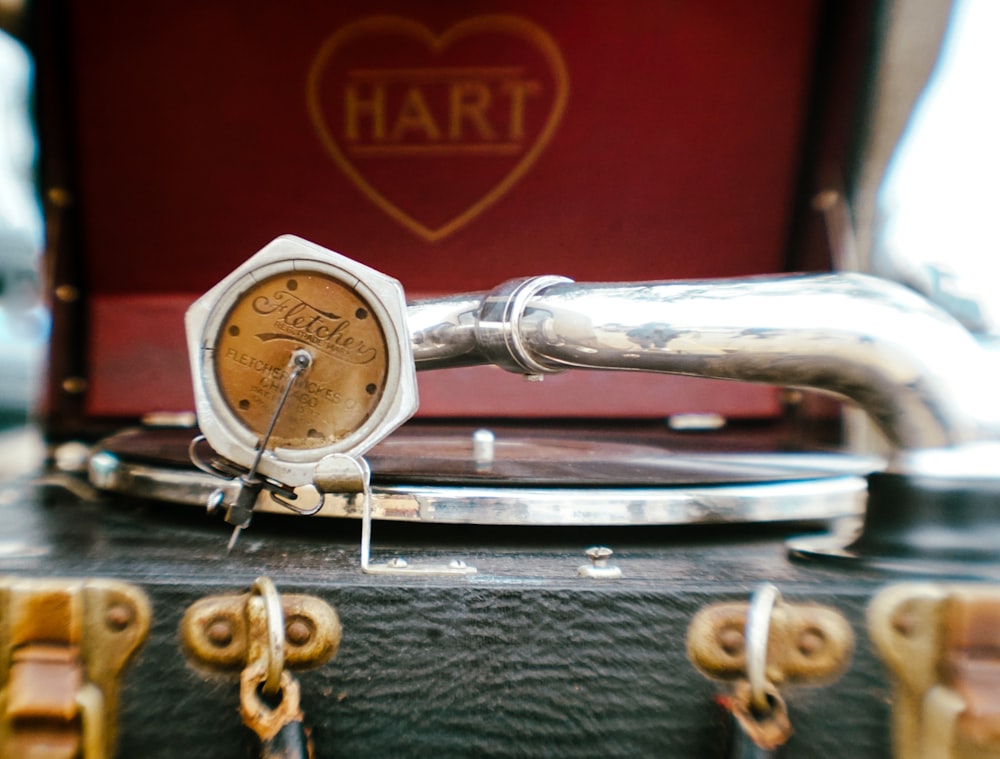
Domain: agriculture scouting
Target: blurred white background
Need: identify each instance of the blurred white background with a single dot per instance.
(937, 230)
(23, 319)
(24, 322)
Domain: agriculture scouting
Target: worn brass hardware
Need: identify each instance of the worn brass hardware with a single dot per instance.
(941, 643)
(759, 645)
(217, 631)
(806, 643)
(264, 634)
(63, 646)
(753, 734)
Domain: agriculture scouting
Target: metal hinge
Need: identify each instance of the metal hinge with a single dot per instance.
(63, 646)
(942, 645)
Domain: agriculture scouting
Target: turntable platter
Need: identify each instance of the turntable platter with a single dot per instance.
(556, 476)
(566, 462)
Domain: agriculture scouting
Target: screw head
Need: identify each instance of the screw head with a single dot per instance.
(215, 500)
(599, 555)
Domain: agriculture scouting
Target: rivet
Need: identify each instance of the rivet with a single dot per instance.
(731, 640)
(811, 641)
(904, 622)
(398, 563)
(298, 631)
(59, 197)
(119, 617)
(74, 385)
(67, 293)
(219, 632)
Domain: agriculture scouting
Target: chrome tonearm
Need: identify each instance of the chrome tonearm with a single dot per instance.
(921, 377)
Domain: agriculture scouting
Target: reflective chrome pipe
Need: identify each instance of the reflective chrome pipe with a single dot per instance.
(443, 331)
(917, 372)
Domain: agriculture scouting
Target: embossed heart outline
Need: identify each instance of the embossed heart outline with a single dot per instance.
(513, 25)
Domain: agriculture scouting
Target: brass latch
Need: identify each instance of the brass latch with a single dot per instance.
(63, 646)
(222, 632)
(807, 643)
(265, 634)
(942, 645)
(758, 646)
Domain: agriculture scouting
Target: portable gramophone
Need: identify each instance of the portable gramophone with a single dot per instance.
(522, 345)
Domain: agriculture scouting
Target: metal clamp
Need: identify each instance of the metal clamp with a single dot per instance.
(498, 326)
(340, 473)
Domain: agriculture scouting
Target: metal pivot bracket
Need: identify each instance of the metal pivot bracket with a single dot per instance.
(345, 474)
(760, 645)
(63, 646)
(941, 643)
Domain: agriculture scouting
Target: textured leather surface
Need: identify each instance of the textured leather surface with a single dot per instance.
(522, 659)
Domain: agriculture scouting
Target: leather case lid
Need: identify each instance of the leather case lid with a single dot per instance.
(450, 145)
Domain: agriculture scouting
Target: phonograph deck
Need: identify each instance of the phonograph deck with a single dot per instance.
(452, 147)
(523, 658)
